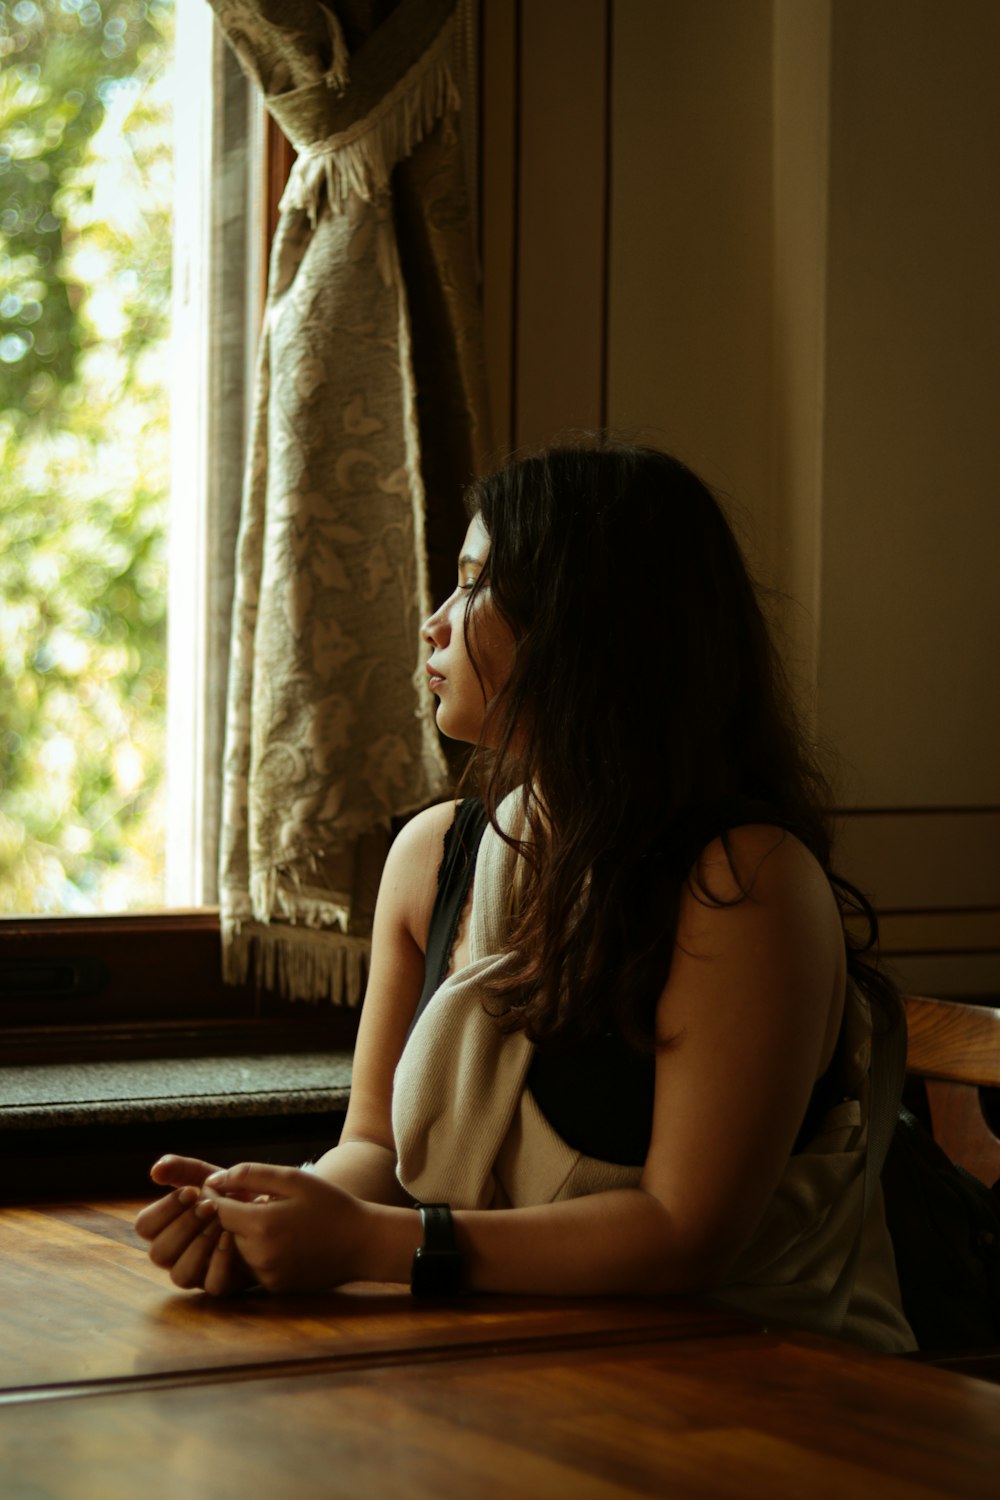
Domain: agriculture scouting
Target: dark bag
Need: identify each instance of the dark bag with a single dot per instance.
(945, 1228)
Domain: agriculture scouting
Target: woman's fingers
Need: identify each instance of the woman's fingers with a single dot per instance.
(172, 1241)
(191, 1266)
(188, 1236)
(227, 1271)
(181, 1171)
(194, 1248)
(185, 1174)
(219, 1273)
(253, 1179)
(155, 1218)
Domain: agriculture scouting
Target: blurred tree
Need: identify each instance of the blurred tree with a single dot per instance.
(85, 252)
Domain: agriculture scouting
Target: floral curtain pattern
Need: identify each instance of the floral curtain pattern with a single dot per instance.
(330, 730)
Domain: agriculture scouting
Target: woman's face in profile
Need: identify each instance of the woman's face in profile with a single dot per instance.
(462, 695)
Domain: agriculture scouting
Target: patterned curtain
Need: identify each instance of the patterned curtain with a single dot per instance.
(370, 418)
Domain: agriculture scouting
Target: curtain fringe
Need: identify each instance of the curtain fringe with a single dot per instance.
(298, 962)
(360, 160)
(268, 898)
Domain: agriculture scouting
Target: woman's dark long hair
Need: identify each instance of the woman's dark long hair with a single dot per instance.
(647, 713)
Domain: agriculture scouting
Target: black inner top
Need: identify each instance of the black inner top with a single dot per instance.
(597, 1094)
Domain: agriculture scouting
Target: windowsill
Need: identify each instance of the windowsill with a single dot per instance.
(128, 1092)
(74, 990)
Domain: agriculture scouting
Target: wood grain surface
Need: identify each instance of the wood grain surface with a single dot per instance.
(947, 1039)
(116, 1386)
(955, 1048)
(739, 1416)
(82, 1302)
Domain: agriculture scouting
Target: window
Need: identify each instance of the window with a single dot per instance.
(131, 293)
(85, 107)
(151, 979)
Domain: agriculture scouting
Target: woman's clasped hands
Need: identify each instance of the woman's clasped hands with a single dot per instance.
(279, 1227)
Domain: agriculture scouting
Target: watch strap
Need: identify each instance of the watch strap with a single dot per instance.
(437, 1263)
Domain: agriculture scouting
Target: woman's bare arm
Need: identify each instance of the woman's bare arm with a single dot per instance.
(364, 1162)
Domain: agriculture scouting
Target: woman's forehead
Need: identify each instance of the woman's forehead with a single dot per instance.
(477, 540)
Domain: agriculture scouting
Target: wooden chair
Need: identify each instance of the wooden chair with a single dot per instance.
(955, 1049)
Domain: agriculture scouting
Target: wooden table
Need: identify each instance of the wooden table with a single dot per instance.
(112, 1384)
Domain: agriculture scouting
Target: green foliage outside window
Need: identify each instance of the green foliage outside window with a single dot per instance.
(85, 259)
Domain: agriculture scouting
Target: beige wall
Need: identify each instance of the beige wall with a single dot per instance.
(689, 337)
(544, 197)
(909, 598)
(766, 233)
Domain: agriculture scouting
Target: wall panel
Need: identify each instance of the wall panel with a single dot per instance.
(561, 232)
(911, 543)
(690, 324)
(773, 248)
(934, 877)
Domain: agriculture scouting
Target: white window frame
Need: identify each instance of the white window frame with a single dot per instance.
(218, 283)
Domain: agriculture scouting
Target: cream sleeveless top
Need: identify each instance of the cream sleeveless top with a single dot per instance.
(468, 1132)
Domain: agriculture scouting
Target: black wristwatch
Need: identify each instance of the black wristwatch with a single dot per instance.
(437, 1264)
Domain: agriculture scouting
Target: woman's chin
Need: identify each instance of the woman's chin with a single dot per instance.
(455, 729)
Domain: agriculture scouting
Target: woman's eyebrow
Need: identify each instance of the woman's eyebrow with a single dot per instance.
(468, 561)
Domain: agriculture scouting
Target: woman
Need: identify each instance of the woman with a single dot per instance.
(640, 1058)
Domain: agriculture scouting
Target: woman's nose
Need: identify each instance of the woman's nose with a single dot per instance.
(435, 630)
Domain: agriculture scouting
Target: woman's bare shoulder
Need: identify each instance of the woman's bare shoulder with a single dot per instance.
(756, 887)
(756, 860)
(409, 881)
(425, 832)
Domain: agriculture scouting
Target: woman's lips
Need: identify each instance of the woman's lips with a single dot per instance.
(434, 677)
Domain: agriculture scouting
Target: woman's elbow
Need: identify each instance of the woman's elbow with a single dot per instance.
(683, 1258)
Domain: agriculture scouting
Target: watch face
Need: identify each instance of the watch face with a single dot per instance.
(436, 1273)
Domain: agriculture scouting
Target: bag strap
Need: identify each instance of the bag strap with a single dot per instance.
(885, 1090)
(888, 1070)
